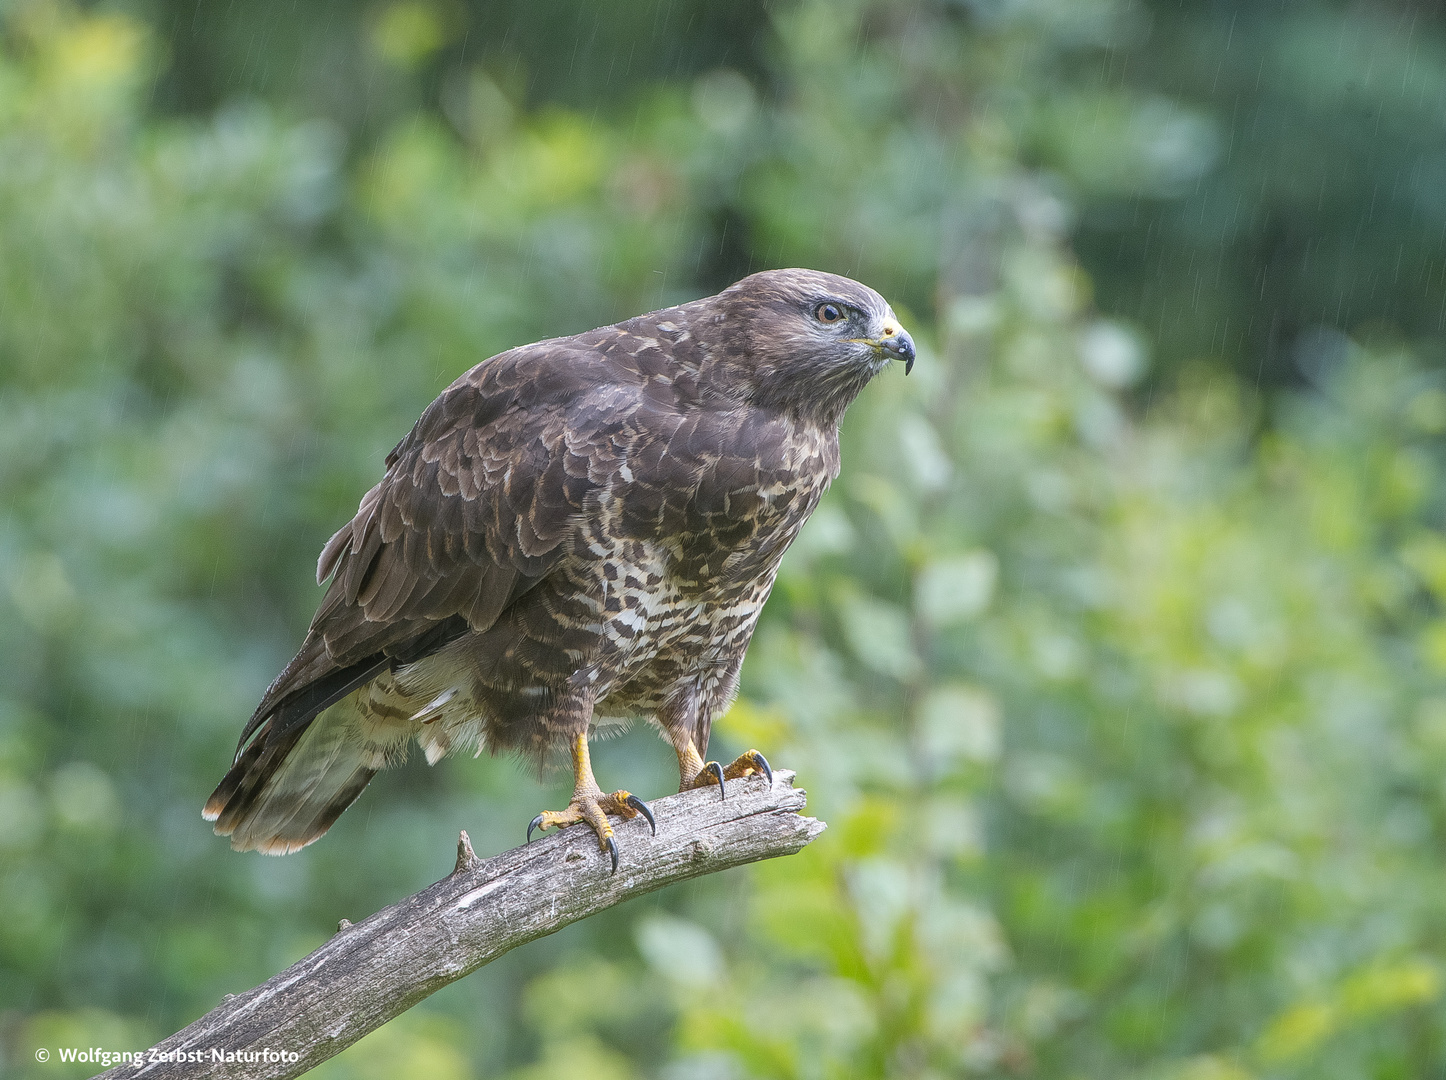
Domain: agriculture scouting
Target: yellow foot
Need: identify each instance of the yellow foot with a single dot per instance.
(745, 764)
(594, 809)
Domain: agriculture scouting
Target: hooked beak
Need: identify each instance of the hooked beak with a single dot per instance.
(895, 341)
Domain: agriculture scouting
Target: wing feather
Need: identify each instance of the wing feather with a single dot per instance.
(478, 503)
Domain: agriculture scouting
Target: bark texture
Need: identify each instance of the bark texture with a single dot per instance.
(376, 969)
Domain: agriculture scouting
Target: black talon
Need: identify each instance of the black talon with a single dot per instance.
(642, 808)
(536, 824)
(613, 850)
(717, 770)
(762, 763)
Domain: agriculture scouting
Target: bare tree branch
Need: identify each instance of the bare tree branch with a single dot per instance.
(378, 968)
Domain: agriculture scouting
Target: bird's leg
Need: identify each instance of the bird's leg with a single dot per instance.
(694, 772)
(589, 804)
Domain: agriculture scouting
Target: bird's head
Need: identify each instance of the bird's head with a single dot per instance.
(809, 341)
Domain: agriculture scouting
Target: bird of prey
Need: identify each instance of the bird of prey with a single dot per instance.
(576, 531)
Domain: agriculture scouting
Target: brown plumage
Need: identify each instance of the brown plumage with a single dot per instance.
(579, 529)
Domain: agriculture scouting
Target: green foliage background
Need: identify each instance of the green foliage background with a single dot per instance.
(1114, 660)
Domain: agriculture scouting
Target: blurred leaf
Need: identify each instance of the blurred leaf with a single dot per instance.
(953, 589)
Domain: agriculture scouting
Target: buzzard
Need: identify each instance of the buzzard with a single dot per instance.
(575, 531)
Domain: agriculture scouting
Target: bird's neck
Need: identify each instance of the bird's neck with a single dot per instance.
(818, 402)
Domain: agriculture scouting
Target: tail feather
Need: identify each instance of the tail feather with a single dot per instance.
(315, 742)
(289, 708)
(229, 789)
(289, 787)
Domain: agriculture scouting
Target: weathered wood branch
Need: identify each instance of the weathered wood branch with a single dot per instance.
(376, 969)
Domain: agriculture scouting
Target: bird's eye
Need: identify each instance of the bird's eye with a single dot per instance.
(828, 313)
